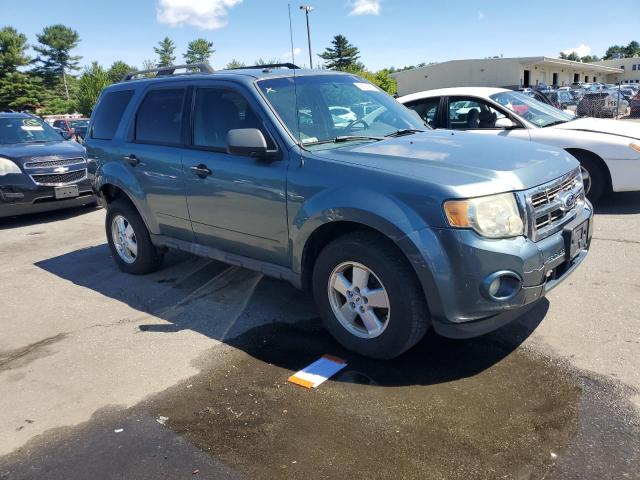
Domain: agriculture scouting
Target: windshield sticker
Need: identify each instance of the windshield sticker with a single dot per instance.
(366, 87)
(31, 125)
(309, 140)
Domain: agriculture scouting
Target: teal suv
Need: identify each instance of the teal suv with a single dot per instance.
(323, 180)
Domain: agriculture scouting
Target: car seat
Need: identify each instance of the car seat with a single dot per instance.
(487, 118)
(473, 118)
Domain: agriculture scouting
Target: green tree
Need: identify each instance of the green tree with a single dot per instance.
(20, 91)
(590, 59)
(54, 54)
(91, 82)
(234, 63)
(632, 50)
(268, 61)
(380, 78)
(12, 50)
(342, 55)
(573, 56)
(613, 52)
(165, 51)
(199, 51)
(59, 106)
(119, 69)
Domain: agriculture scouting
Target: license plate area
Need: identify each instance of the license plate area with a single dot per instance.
(66, 192)
(576, 240)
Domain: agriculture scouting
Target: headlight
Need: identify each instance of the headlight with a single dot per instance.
(635, 146)
(7, 166)
(495, 216)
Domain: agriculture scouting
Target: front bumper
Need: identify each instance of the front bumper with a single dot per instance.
(455, 263)
(19, 195)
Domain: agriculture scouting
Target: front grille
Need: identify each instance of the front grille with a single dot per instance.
(546, 205)
(54, 163)
(60, 178)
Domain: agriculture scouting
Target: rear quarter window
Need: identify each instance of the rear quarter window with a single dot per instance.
(109, 113)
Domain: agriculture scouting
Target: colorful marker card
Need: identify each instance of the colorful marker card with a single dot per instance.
(318, 372)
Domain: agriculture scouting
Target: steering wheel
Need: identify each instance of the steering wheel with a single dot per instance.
(355, 122)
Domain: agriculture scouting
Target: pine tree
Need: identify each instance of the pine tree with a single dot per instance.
(234, 63)
(165, 50)
(199, 51)
(55, 59)
(20, 91)
(119, 69)
(342, 55)
(12, 50)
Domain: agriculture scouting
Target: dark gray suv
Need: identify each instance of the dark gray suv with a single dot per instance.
(321, 179)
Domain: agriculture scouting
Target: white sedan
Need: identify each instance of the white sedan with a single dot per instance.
(608, 150)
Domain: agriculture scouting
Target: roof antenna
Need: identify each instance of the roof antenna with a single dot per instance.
(295, 83)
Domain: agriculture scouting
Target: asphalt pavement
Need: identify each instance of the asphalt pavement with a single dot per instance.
(182, 373)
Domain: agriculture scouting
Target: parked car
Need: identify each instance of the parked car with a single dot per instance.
(39, 171)
(598, 104)
(562, 99)
(609, 151)
(392, 226)
(342, 116)
(70, 126)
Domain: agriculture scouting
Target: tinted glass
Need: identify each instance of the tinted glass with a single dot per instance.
(159, 118)
(219, 110)
(538, 113)
(427, 109)
(109, 113)
(26, 130)
(466, 113)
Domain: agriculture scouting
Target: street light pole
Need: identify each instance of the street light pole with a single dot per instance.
(307, 9)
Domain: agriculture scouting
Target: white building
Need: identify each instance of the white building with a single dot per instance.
(630, 69)
(502, 72)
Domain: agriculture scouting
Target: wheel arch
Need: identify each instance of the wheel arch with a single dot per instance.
(598, 160)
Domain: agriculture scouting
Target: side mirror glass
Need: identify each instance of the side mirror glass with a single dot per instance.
(505, 123)
(248, 142)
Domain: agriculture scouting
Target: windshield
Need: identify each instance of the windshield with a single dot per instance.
(79, 123)
(333, 107)
(538, 113)
(26, 130)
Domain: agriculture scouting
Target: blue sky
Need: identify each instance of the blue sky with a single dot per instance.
(388, 32)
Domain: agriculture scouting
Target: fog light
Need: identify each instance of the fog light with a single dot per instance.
(501, 286)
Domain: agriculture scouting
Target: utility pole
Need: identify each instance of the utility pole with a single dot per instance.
(307, 9)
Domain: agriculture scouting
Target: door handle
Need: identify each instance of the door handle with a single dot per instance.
(131, 160)
(201, 170)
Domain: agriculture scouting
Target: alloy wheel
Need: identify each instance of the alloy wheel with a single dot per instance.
(124, 239)
(359, 300)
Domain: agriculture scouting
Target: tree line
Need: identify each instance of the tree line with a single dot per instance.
(614, 51)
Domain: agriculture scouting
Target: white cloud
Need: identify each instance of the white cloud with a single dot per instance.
(480, 15)
(204, 14)
(581, 51)
(296, 51)
(365, 7)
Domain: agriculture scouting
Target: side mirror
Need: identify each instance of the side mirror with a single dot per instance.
(505, 123)
(248, 142)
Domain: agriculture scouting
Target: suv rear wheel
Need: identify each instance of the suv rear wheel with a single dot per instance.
(129, 240)
(369, 296)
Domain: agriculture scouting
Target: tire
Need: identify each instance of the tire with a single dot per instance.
(595, 178)
(400, 326)
(147, 257)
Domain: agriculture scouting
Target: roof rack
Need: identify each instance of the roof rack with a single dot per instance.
(268, 66)
(170, 70)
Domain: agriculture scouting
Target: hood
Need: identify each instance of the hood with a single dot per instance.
(22, 152)
(602, 125)
(465, 164)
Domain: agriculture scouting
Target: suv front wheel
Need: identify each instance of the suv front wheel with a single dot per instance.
(129, 240)
(369, 296)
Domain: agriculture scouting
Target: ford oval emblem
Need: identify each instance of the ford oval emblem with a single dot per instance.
(568, 201)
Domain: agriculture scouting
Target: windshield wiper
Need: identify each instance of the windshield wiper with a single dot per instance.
(404, 131)
(344, 138)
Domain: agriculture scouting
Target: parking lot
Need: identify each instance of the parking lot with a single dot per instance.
(183, 372)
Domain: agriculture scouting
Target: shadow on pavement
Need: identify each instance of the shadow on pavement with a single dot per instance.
(627, 203)
(272, 321)
(28, 220)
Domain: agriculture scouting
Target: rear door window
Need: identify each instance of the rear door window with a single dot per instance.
(427, 109)
(159, 117)
(109, 113)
